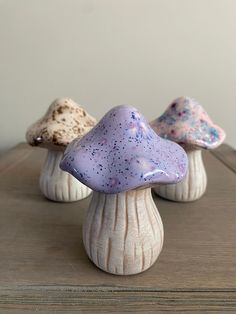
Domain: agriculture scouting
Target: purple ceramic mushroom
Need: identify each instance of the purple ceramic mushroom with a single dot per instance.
(120, 159)
(187, 123)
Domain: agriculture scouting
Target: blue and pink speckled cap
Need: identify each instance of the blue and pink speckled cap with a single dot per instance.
(122, 152)
(186, 122)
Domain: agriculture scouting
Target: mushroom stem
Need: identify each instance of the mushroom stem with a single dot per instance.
(123, 233)
(193, 186)
(58, 185)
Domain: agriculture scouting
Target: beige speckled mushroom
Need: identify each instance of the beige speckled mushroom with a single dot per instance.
(64, 121)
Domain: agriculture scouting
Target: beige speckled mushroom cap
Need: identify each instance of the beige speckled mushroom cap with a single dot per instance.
(64, 121)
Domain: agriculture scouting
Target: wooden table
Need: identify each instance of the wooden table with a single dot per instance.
(43, 266)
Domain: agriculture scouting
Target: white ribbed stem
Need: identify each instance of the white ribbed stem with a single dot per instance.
(123, 233)
(58, 185)
(193, 186)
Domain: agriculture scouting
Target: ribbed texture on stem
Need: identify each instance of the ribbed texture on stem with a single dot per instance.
(58, 185)
(123, 233)
(193, 185)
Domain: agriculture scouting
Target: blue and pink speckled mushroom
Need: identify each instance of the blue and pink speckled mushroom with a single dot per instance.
(186, 122)
(122, 152)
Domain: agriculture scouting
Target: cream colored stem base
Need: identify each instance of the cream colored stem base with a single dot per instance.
(58, 185)
(123, 233)
(193, 185)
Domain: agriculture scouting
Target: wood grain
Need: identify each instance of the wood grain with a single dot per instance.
(227, 155)
(115, 300)
(43, 265)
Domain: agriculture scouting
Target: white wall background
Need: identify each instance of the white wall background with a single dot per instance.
(107, 52)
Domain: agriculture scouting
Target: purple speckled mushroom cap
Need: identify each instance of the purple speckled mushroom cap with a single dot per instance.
(186, 122)
(122, 152)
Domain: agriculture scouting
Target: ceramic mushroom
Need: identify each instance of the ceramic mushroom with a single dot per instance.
(187, 123)
(120, 159)
(64, 121)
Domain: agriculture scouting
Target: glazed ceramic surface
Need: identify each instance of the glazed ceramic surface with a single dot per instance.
(122, 152)
(64, 121)
(186, 122)
(193, 186)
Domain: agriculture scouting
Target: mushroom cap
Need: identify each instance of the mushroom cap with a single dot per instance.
(187, 123)
(64, 121)
(122, 152)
